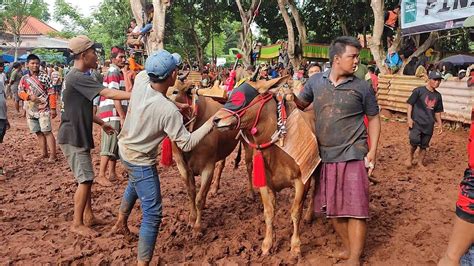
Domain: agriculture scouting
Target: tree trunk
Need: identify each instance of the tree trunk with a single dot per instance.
(300, 26)
(376, 47)
(17, 41)
(246, 16)
(420, 50)
(138, 10)
(291, 34)
(345, 30)
(156, 36)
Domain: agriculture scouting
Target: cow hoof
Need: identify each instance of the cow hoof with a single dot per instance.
(251, 195)
(197, 233)
(308, 219)
(295, 252)
(266, 246)
(213, 192)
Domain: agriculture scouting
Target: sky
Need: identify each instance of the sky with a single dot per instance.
(85, 7)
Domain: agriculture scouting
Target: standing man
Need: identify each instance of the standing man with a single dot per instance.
(340, 101)
(57, 80)
(37, 92)
(111, 112)
(425, 106)
(4, 126)
(14, 83)
(75, 131)
(151, 118)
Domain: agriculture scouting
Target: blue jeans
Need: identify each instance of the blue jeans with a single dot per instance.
(146, 28)
(144, 184)
(468, 258)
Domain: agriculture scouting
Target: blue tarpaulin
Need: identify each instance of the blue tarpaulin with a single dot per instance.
(8, 58)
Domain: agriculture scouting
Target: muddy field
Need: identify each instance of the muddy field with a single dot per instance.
(411, 212)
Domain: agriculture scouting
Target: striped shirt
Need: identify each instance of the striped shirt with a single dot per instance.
(40, 86)
(113, 79)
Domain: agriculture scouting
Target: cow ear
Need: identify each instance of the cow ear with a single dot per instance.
(263, 86)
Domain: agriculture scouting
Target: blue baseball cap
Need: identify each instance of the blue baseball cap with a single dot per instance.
(161, 63)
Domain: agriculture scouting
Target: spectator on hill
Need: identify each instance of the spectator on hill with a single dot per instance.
(410, 68)
(393, 61)
(390, 25)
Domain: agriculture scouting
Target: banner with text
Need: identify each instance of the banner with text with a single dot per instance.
(419, 16)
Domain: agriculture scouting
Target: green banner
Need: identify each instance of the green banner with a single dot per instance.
(322, 51)
(269, 52)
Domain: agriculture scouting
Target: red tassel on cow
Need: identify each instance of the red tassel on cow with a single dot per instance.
(259, 179)
(166, 153)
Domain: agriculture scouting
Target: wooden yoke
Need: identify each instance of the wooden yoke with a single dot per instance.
(215, 92)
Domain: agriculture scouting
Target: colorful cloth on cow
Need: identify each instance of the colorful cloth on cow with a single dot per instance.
(340, 109)
(113, 80)
(41, 87)
(241, 97)
(342, 190)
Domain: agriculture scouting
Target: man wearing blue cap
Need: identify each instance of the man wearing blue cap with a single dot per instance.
(425, 106)
(150, 118)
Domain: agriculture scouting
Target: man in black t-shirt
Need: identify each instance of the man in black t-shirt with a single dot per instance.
(425, 106)
(75, 130)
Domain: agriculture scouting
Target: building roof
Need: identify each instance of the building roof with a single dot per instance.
(34, 26)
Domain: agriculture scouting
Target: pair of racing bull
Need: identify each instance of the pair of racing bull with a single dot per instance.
(253, 114)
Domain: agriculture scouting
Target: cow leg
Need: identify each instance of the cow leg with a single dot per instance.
(249, 167)
(217, 177)
(268, 200)
(206, 178)
(188, 178)
(311, 186)
(296, 211)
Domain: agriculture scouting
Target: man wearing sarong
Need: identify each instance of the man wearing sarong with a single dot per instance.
(340, 102)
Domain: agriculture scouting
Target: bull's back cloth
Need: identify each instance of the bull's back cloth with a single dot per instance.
(300, 143)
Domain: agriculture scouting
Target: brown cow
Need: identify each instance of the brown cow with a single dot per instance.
(281, 170)
(202, 160)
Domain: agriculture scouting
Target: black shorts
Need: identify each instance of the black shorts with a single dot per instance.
(418, 138)
(3, 129)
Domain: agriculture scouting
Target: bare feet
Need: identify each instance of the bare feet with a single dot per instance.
(83, 231)
(103, 181)
(93, 221)
(112, 178)
(120, 228)
(350, 263)
(40, 158)
(409, 163)
(341, 254)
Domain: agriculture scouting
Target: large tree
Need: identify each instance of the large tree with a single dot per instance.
(295, 45)
(247, 12)
(155, 39)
